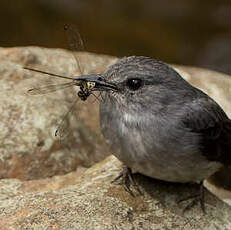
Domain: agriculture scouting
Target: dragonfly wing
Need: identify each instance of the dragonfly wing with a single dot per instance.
(63, 127)
(49, 88)
(75, 42)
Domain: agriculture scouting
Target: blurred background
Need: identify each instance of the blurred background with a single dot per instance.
(189, 32)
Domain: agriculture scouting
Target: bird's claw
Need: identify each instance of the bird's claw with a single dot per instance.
(196, 198)
(127, 179)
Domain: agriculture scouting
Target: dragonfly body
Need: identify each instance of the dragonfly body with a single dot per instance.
(85, 90)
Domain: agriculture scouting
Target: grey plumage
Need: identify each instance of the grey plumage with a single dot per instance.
(164, 128)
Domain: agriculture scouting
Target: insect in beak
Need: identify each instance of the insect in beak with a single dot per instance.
(97, 83)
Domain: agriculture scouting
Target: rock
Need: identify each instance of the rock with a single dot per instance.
(28, 149)
(91, 201)
(84, 199)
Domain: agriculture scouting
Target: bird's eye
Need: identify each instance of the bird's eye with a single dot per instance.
(134, 83)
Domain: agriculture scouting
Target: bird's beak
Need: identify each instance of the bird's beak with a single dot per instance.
(99, 82)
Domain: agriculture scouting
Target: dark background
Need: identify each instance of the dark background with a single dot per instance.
(190, 32)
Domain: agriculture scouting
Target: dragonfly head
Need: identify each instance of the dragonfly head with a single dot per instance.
(96, 82)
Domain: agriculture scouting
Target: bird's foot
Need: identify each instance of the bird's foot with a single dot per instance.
(127, 179)
(196, 198)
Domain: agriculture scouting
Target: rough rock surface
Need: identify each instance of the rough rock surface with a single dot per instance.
(28, 149)
(82, 199)
(90, 201)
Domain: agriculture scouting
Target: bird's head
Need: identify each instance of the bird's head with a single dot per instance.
(138, 82)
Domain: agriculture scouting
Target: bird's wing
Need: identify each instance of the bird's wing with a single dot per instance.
(209, 121)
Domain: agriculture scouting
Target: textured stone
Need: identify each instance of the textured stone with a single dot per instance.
(28, 149)
(84, 199)
(91, 201)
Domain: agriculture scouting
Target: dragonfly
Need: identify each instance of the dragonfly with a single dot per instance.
(85, 85)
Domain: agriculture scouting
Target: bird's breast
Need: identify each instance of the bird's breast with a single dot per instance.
(145, 144)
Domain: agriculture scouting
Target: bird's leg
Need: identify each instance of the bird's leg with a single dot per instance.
(127, 179)
(196, 198)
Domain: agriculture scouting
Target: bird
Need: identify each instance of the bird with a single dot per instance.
(159, 125)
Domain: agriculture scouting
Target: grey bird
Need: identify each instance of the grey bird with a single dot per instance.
(159, 125)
